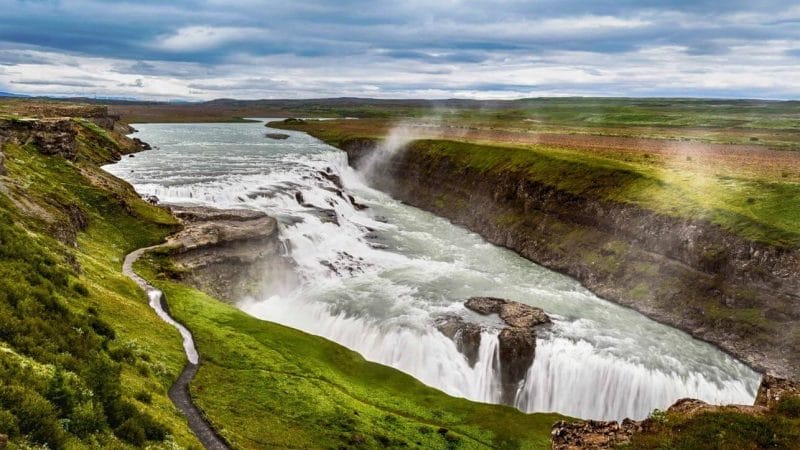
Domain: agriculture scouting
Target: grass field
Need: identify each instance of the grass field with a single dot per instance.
(745, 122)
(777, 428)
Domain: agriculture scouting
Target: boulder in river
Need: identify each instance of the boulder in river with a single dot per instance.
(466, 335)
(333, 178)
(517, 340)
(277, 136)
(514, 314)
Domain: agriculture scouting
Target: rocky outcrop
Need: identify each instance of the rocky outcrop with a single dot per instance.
(602, 435)
(684, 272)
(516, 341)
(592, 434)
(466, 335)
(773, 389)
(50, 136)
(227, 252)
(2, 160)
(141, 145)
(514, 314)
(98, 114)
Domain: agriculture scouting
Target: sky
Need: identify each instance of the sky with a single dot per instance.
(201, 50)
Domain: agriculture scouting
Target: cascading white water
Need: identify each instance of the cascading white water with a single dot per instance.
(375, 279)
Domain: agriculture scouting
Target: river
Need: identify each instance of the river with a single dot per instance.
(375, 279)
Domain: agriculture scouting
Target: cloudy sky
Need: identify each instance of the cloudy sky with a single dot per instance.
(170, 50)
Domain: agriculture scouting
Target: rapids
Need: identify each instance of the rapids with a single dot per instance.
(374, 279)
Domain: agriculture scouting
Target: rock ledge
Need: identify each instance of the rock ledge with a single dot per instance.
(517, 340)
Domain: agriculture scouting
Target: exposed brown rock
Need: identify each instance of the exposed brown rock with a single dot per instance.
(596, 435)
(690, 406)
(686, 263)
(517, 350)
(592, 434)
(773, 389)
(514, 314)
(466, 335)
(517, 340)
(142, 145)
(56, 136)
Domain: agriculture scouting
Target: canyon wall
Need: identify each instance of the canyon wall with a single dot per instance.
(690, 274)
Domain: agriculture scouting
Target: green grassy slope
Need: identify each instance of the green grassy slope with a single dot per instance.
(265, 385)
(84, 361)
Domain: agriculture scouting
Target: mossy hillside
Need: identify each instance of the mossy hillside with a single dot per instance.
(265, 385)
(83, 359)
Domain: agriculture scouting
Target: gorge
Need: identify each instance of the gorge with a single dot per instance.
(375, 279)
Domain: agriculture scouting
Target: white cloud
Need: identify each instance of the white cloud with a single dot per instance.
(751, 69)
(198, 38)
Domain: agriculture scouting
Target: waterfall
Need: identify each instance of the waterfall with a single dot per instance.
(375, 280)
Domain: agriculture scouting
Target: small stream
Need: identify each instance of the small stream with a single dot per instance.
(375, 280)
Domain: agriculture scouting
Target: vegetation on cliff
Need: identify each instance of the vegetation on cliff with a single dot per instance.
(83, 359)
(753, 193)
(724, 428)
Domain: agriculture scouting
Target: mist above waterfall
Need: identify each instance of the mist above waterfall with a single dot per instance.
(397, 139)
(375, 280)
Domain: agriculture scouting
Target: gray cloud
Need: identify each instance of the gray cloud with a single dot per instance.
(202, 49)
(63, 83)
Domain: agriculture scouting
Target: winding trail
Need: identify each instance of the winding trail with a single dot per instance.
(179, 392)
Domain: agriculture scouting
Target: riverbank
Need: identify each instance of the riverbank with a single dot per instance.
(574, 215)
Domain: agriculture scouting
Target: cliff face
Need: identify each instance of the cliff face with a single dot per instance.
(229, 254)
(691, 274)
(51, 136)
